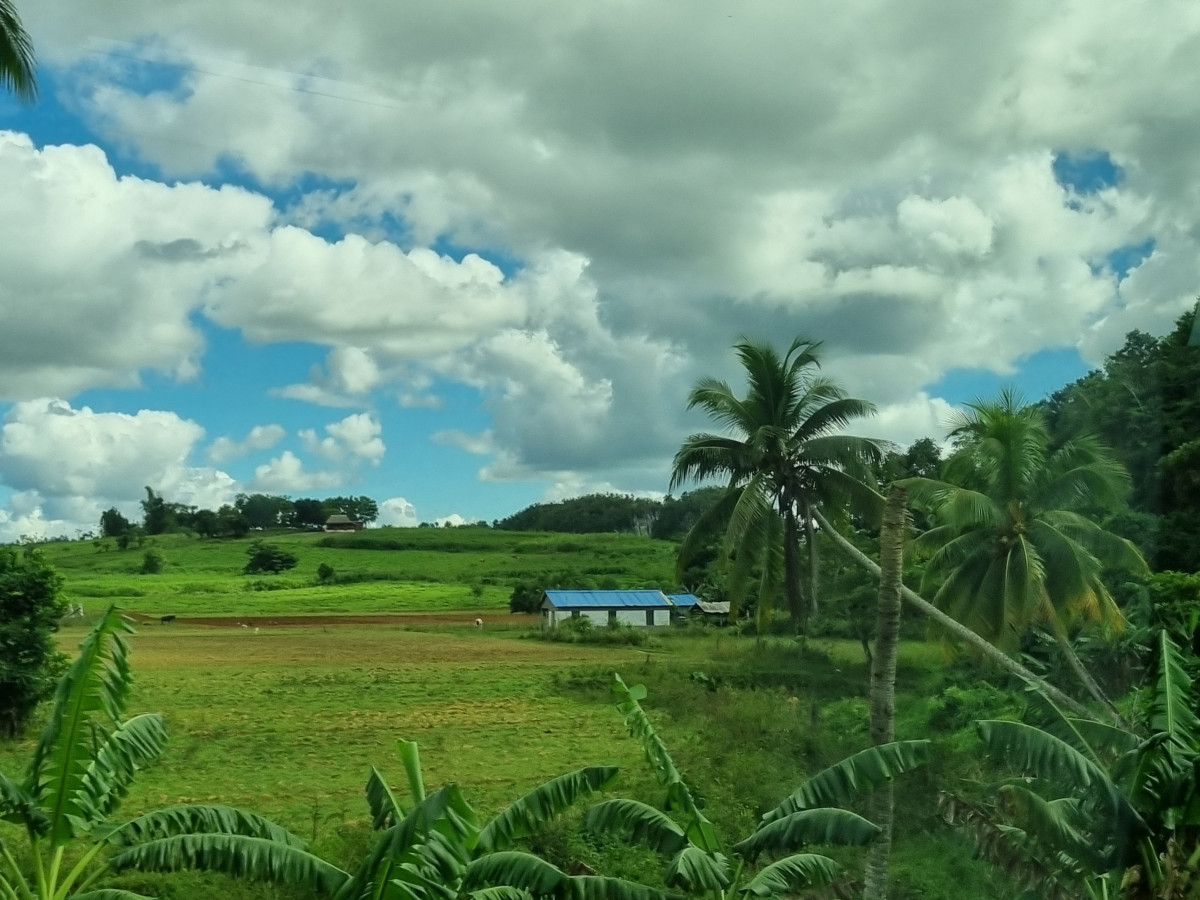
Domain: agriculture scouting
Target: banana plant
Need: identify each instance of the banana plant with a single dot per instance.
(697, 862)
(1097, 810)
(87, 758)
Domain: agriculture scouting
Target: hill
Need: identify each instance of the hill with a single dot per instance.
(377, 571)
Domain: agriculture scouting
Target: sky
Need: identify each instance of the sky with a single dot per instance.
(467, 257)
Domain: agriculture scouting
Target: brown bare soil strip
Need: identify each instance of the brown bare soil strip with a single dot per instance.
(459, 617)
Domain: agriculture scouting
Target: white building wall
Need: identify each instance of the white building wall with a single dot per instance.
(636, 618)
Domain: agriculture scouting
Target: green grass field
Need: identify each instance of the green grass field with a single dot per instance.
(286, 722)
(389, 570)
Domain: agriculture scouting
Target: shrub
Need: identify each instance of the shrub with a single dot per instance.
(325, 573)
(152, 561)
(268, 559)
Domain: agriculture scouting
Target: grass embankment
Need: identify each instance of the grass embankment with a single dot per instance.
(386, 570)
(286, 722)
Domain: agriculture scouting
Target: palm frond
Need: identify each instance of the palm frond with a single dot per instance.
(826, 825)
(864, 770)
(706, 525)
(791, 874)
(704, 456)
(501, 892)
(96, 686)
(638, 821)
(255, 858)
(17, 65)
(110, 894)
(539, 806)
(832, 417)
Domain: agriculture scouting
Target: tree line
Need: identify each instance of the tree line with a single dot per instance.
(248, 512)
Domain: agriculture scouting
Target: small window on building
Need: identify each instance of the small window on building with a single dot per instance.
(612, 617)
(574, 614)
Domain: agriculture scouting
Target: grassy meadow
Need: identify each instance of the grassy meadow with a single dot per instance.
(286, 721)
(386, 570)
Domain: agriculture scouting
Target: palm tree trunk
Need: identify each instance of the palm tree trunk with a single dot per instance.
(956, 628)
(1085, 676)
(792, 592)
(814, 561)
(883, 681)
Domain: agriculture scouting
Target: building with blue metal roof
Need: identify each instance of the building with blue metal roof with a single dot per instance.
(637, 608)
(683, 601)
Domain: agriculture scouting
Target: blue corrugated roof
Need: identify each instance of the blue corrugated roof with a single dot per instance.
(606, 599)
(683, 599)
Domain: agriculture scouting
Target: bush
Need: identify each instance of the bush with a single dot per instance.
(31, 606)
(152, 562)
(582, 630)
(325, 573)
(268, 559)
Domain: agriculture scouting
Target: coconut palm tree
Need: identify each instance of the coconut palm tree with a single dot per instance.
(782, 456)
(810, 815)
(1096, 811)
(1014, 546)
(16, 54)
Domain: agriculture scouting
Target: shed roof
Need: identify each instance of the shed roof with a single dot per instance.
(339, 519)
(720, 607)
(607, 599)
(683, 599)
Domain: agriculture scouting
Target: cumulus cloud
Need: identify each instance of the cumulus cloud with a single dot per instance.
(397, 512)
(260, 437)
(67, 464)
(286, 473)
(665, 180)
(356, 437)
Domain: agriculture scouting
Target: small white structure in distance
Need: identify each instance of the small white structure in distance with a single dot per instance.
(640, 609)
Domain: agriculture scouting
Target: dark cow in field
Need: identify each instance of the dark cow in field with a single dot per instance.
(166, 620)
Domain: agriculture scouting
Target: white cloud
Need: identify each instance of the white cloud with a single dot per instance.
(356, 437)
(398, 512)
(453, 520)
(66, 465)
(260, 437)
(285, 473)
(660, 182)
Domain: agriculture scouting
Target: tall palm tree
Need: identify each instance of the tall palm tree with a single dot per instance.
(783, 456)
(1014, 546)
(16, 54)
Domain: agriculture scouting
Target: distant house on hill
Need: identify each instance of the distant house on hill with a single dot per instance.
(637, 608)
(342, 523)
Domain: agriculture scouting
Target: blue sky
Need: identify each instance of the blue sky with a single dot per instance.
(465, 261)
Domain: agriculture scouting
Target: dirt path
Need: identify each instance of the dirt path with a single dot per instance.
(460, 617)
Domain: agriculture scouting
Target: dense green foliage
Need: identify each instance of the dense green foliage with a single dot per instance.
(268, 559)
(1098, 811)
(666, 519)
(1145, 404)
(31, 605)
